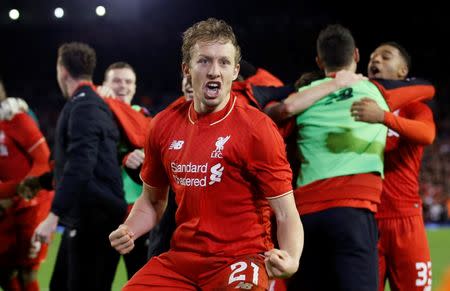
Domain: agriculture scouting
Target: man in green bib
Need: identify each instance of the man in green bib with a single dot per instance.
(340, 180)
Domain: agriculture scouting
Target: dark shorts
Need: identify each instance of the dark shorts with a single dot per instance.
(340, 251)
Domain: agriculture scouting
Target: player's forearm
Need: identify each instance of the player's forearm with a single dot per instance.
(277, 112)
(289, 226)
(290, 234)
(146, 213)
(302, 100)
(418, 131)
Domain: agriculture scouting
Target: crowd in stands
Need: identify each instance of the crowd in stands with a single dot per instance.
(434, 178)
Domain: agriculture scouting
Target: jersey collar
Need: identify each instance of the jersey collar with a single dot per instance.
(211, 118)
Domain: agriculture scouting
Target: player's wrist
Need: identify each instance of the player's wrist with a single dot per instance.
(382, 117)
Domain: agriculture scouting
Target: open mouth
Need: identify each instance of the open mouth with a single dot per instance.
(374, 70)
(212, 89)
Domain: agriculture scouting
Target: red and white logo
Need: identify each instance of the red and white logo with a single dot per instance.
(220, 143)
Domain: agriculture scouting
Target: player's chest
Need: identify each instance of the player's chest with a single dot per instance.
(200, 145)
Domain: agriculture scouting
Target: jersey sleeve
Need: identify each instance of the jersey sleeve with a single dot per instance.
(418, 125)
(153, 173)
(26, 133)
(264, 78)
(267, 160)
(399, 93)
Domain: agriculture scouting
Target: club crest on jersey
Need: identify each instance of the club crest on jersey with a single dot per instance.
(220, 143)
(176, 145)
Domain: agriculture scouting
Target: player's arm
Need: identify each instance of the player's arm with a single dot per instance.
(302, 100)
(283, 262)
(27, 135)
(264, 95)
(398, 93)
(30, 138)
(418, 127)
(268, 164)
(145, 214)
(150, 206)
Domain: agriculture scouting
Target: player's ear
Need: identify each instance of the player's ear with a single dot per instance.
(356, 55)
(403, 71)
(185, 69)
(236, 71)
(63, 72)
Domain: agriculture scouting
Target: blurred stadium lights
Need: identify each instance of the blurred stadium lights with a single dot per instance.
(59, 12)
(14, 14)
(84, 12)
(100, 10)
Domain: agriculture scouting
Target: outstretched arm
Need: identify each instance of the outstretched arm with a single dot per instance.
(302, 100)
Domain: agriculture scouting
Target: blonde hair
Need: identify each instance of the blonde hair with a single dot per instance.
(209, 30)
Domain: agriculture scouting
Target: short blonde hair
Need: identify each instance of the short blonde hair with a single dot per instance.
(209, 30)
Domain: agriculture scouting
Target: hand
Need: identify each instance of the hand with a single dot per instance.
(279, 264)
(105, 91)
(35, 248)
(367, 110)
(29, 187)
(135, 159)
(45, 229)
(346, 78)
(122, 239)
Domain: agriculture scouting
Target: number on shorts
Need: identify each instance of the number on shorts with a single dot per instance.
(423, 273)
(240, 267)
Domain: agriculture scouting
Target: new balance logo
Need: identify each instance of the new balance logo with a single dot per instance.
(221, 141)
(216, 173)
(176, 145)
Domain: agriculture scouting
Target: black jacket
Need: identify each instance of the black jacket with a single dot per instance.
(87, 172)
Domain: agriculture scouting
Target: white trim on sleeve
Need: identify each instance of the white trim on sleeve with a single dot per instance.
(281, 195)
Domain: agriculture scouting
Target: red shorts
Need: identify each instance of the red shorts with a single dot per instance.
(404, 255)
(189, 271)
(17, 227)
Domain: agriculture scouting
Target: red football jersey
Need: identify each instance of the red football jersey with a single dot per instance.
(408, 134)
(18, 137)
(223, 167)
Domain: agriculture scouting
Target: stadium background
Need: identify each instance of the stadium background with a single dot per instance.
(276, 35)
